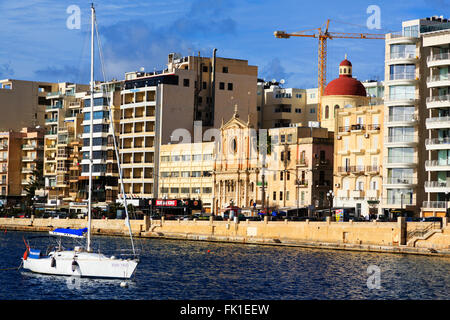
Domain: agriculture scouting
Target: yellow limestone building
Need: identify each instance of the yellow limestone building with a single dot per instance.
(358, 158)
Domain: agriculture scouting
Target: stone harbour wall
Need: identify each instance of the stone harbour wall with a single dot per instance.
(362, 236)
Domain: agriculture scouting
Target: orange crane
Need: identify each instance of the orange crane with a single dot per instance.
(324, 35)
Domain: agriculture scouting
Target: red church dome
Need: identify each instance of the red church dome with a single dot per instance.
(345, 85)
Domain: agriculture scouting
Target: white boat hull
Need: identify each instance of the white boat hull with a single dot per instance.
(87, 265)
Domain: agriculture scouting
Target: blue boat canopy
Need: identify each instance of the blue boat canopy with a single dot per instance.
(69, 232)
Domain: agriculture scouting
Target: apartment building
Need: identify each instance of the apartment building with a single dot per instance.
(63, 132)
(280, 107)
(436, 48)
(32, 157)
(21, 153)
(375, 91)
(300, 169)
(23, 103)
(106, 100)
(186, 172)
(409, 94)
(358, 158)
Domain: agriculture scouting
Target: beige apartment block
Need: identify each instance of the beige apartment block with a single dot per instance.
(185, 172)
(358, 159)
(21, 153)
(63, 131)
(192, 89)
(32, 157)
(280, 107)
(300, 169)
(23, 103)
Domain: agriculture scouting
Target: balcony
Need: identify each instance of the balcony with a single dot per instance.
(400, 182)
(302, 162)
(357, 194)
(438, 122)
(441, 59)
(437, 186)
(343, 170)
(357, 127)
(441, 80)
(29, 146)
(402, 78)
(27, 170)
(398, 140)
(437, 165)
(434, 204)
(401, 120)
(401, 161)
(400, 99)
(373, 127)
(357, 169)
(373, 169)
(438, 101)
(437, 144)
(402, 58)
(3, 146)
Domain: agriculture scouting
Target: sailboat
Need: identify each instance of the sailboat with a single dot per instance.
(82, 261)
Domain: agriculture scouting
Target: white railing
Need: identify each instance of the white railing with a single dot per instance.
(403, 76)
(443, 98)
(401, 180)
(437, 163)
(402, 55)
(437, 184)
(440, 56)
(401, 138)
(402, 118)
(435, 204)
(434, 141)
(439, 77)
(437, 119)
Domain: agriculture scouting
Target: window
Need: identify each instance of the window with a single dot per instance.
(230, 87)
(175, 158)
(287, 195)
(298, 110)
(327, 112)
(274, 196)
(312, 110)
(186, 157)
(186, 82)
(207, 190)
(204, 84)
(225, 69)
(281, 195)
(184, 190)
(205, 68)
(221, 85)
(197, 157)
(174, 190)
(165, 158)
(281, 176)
(196, 174)
(185, 174)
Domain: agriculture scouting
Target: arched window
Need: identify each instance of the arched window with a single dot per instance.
(327, 112)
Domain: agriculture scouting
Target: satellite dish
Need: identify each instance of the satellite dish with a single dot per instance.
(142, 69)
(274, 80)
(282, 81)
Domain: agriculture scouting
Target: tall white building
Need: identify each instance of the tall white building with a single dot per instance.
(407, 88)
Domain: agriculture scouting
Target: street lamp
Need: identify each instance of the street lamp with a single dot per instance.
(330, 196)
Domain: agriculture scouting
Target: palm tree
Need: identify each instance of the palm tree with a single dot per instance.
(36, 182)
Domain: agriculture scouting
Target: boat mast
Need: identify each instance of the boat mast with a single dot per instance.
(88, 248)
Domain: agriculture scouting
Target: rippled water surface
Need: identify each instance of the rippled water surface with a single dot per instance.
(201, 270)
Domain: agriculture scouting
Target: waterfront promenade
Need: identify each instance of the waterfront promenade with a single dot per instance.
(426, 238)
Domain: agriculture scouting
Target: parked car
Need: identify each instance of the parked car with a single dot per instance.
(432, 219)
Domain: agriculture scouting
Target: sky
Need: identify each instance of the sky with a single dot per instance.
(37, 44)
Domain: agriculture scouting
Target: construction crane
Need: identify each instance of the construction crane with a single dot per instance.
(323, 35)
